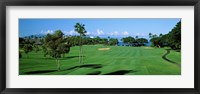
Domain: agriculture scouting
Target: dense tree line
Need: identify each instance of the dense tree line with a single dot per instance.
(29, 44)
(74, 41)
(172, 39)
(131, 41)
(34, 43)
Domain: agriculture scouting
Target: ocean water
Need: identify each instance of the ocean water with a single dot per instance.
(125, 44)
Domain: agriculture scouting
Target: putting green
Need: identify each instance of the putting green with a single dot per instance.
(118, 60)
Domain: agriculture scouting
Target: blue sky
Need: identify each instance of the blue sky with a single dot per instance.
(102, 27)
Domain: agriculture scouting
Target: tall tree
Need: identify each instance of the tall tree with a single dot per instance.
(175, 37)
(108, 40)
(53, 46)
(136, 37)
(160, 35)
(80, 28)
(150, 35)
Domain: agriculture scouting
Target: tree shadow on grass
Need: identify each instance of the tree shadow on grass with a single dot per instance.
(72, 57)
(178, 50)
(45, 58)
(62, 58)
(40, 71)
(94, 73)
(120, 72)
(165, 58)
(94, 66)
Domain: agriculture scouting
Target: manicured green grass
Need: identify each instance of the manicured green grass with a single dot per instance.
(119, 60)
(175, 56)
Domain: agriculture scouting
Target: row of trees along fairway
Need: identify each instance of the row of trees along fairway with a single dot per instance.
(172, 39)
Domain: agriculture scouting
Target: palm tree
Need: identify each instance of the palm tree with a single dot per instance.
(150, 35)
(79, 28)
(108, 40)
(136, 37)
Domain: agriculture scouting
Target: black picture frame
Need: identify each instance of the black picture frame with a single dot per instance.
(4, 3)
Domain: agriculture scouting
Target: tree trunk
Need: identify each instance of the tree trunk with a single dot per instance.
(80, 50)
(58, 64)
(63, 55)
(81, 53)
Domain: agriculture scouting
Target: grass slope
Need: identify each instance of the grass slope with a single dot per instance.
(118, 60)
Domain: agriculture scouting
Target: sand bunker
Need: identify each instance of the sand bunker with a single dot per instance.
(103, 49)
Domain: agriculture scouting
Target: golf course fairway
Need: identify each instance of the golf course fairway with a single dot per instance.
(104, 60)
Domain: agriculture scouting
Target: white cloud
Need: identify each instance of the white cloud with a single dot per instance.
(125, 33)
(88, 33)
(140, 34)
(100, 32)
(72, 32)
(91, 36)
(114, 33)
(47, 32)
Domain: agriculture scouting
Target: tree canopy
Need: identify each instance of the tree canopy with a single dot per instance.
(54, 45)
(172, 39)
(129, 40)
(80, 28)
(141, 41)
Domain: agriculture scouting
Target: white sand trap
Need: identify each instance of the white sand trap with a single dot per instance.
(103, 49)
